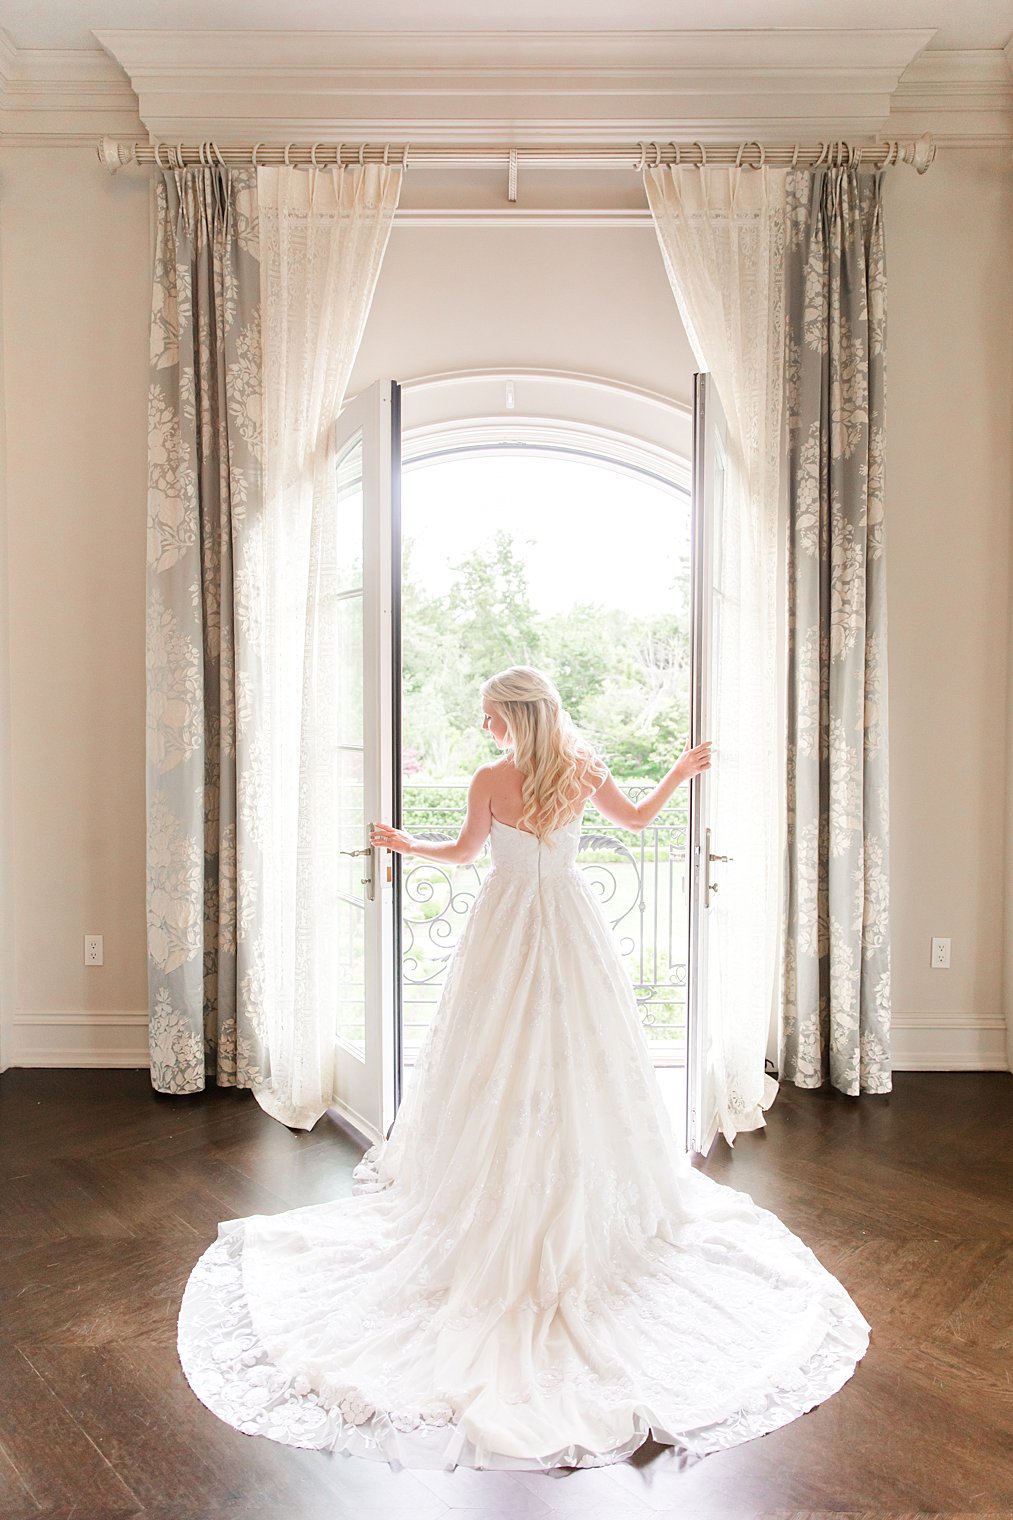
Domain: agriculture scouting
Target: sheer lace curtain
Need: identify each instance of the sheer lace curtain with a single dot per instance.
(722, 235)
(262, 284)
(323, 233)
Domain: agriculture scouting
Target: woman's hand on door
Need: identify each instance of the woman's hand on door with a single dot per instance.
(387, 838)
(694, 760)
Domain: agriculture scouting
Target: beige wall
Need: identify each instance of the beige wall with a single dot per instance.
(74, 246)
(76, 291)
(949, 498)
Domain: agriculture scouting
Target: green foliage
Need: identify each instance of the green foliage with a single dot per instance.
(624, 679)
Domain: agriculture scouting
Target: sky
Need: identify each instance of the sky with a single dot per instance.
(586, 532)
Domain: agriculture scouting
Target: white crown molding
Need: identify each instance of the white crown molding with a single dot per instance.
(493, 87)
(958, 96)
(484, 86)
(66, 95)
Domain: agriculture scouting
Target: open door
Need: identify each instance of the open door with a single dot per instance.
(709, 466)
(368, 454)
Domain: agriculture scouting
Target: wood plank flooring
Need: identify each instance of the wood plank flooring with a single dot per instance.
(109, 1192)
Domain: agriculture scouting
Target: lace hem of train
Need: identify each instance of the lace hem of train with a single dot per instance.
(232, 1374)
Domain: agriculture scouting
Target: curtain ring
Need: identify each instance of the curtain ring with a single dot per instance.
(794, 157)
(256, 145)
(386, 154)
(641, 163)
(404, 156)
(313, 155)
(362, 154)
(703, 155)
(822, 154)
(337, 156)
(858, 156)
(738, 156)
(288, 161)
(218, 154)
(158, 159)
(178, 156)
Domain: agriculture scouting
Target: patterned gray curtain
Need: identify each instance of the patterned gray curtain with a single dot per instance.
(836, 1013)
(204, 482)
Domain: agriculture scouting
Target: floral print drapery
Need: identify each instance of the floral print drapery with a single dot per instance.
(204, 459)
(836, 1009)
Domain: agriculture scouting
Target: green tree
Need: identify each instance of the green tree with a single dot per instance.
(624, 679)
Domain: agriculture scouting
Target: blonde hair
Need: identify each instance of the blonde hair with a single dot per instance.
(550, 754)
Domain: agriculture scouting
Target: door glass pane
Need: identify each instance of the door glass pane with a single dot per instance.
(350, 931)
(349, 928)
(351, 823)
(349, 525)
(348, 633)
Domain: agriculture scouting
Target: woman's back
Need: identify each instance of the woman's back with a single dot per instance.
(505, 792)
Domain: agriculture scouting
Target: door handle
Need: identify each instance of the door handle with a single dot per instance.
(708, 885)
(369, 882)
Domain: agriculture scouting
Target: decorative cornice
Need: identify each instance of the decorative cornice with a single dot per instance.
(63, 94)
(490, 87)
(956, 95)
(231, 85)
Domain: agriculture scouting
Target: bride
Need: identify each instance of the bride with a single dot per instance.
(528, 1272)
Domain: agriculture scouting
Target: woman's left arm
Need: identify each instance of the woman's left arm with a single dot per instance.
(460, 851)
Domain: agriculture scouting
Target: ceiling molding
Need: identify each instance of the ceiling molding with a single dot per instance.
(478, 86)
(67, 95)
(494, 87)
(958, 96)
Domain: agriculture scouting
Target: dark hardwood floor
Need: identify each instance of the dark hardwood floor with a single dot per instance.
(109, 1193)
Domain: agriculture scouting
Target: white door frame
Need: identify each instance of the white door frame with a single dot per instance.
(366, 1078)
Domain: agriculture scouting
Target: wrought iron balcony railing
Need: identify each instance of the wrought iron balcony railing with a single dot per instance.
(639, 878)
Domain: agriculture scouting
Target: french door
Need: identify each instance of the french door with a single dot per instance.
(367, 926)
(710, 436)
(368, 922)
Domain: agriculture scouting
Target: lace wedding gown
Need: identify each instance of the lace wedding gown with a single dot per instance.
(528, 1273)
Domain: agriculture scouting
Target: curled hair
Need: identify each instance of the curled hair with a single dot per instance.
(551, 756)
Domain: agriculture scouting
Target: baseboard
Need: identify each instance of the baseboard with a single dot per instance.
(921, 1042)
(86, 1039)
(947, 1042)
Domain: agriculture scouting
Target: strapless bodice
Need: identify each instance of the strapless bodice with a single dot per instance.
(520, 852)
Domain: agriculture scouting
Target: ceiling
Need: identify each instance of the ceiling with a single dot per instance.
(68, 23)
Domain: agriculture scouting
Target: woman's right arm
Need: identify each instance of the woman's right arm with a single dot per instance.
(460, 851)
(617, 807)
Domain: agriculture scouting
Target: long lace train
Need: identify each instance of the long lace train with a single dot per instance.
(528, 1273)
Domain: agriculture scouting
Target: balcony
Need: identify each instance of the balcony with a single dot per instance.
(639, 879)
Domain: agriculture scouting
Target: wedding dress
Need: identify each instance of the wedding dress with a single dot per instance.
(528, 1272)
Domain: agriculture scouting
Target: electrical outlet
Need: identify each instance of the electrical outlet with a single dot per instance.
(93, 950)
(940, 955)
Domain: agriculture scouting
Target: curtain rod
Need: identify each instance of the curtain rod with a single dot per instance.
(642, 155)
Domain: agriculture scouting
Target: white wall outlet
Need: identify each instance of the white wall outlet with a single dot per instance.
(93, 950)
(940, 954)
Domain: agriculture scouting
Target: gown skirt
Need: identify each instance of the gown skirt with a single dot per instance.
(528, 1272)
